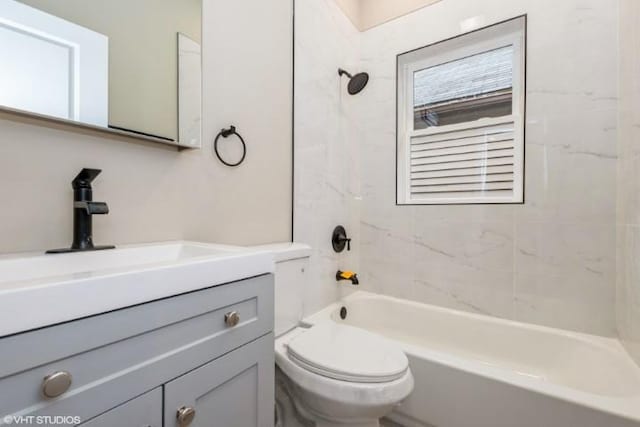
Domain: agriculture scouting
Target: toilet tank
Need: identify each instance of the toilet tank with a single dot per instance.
(292, 261)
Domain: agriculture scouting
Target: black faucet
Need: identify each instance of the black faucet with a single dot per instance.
(83, 210)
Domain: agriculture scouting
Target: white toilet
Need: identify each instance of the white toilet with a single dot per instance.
(336, 375)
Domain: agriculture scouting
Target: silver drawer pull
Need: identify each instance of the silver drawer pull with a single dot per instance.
(232, 318)
(186, 414)
(56, 384)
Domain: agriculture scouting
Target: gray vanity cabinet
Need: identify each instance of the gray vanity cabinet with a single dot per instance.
(211, 349)
(143, 411)
(235, 390)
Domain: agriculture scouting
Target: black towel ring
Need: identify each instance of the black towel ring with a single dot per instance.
(225, 133)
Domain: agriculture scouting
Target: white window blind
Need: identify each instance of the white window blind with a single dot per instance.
(466, 163)
(461, 119)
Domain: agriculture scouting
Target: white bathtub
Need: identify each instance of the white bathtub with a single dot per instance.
(472, 370)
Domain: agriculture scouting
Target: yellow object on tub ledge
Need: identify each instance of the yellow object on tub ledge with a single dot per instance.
(347, 275)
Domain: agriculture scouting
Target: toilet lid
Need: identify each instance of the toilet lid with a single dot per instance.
(347, 353)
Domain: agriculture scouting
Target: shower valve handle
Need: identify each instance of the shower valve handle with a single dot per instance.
(348, 243)
(344, 239)
(339, 239)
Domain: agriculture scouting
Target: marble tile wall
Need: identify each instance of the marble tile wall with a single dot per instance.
(550, 261)
(628, 273)
(326, 173)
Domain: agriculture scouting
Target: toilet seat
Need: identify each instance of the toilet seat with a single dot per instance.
(346, 353)
(340, 401)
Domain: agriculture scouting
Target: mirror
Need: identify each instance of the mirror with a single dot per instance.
(130, 66)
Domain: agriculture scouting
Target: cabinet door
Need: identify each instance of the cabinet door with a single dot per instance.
(143, 411)
(235, 390)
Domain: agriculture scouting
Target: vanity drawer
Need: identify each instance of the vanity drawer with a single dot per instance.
(117, 356)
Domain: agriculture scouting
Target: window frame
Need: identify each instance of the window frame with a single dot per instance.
(510, 32)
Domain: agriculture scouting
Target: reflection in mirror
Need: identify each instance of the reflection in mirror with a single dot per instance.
(189, 90)
(131, 65)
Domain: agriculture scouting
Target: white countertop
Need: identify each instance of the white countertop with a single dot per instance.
(38, 290)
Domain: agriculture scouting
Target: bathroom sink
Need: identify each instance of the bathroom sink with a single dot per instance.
(19, 268)
(38, 290)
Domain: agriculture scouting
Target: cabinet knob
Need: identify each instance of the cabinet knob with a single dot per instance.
(232, 318)
(56, 384)
(186, 414)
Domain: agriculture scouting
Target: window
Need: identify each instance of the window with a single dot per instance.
(461, 119)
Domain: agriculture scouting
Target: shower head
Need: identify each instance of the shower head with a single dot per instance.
(356, 82)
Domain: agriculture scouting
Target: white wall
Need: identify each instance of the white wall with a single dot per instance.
(157, 193)
(628, 274)
(367, 14)
(376, 12)
(326, 161)
(550, 261)
(351, 8)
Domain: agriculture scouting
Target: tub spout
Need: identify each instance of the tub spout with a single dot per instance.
(347, 275)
